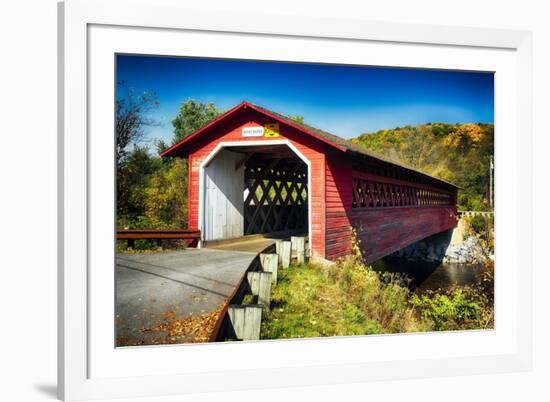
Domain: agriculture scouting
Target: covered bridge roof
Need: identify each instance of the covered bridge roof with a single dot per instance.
(339, 143)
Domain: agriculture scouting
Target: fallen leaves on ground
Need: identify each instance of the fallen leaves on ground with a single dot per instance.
(191, 329)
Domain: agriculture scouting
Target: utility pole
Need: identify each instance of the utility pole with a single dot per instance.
(491, 171)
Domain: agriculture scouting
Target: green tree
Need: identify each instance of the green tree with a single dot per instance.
(161, 146)
(297, 118)
(132, 182)
(192, 116)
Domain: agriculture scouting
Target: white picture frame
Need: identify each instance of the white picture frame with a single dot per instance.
(88, 369)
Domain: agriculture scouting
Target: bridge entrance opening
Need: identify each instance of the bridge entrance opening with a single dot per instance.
(255, 190)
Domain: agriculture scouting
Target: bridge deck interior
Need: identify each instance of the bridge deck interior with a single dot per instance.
(254, 243)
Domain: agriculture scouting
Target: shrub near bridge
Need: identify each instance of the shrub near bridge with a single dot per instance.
(448, 311)
(349, 298)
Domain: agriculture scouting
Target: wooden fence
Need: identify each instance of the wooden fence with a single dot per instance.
(239, 321)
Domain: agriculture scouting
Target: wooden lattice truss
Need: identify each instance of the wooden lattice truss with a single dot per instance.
(379, 194)
(275, 195)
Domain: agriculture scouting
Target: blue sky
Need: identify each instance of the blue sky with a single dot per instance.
(344, 100)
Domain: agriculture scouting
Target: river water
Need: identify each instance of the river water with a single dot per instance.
(432, 276)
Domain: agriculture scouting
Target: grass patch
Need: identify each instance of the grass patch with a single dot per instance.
(349, 298)
(249, 299)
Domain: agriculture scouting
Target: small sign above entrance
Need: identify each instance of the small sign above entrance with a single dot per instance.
(271, 130)
(253, 131)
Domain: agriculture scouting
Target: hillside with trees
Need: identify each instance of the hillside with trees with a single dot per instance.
(458, 153)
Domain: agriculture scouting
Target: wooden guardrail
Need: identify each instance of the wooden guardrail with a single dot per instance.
(243, 322)
(158, 234)
(235, 298)
(475, 213)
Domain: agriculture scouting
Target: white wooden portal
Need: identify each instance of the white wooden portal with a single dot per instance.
(224, 186)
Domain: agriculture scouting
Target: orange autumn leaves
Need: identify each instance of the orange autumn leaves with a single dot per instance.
(469, 133)
(191, 329)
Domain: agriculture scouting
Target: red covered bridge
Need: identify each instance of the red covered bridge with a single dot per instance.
(253, 171)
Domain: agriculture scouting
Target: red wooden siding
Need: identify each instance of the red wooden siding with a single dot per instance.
(385, 230)
(311, 148)
(339, 193)
(388, 214)
(193, 191)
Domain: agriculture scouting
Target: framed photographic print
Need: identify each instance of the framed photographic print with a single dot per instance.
(251, 201)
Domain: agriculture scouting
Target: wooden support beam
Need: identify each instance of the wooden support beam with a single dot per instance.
(269, 263)
(279, 251)
(246, 321)
(299, 246)
(260, 285)
(286, 250)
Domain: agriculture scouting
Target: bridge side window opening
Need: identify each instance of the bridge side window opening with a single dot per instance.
(387, 193)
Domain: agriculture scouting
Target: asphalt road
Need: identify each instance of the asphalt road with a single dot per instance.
(154, 288)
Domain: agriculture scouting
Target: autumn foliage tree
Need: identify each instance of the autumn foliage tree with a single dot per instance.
(459, 153)
(166, 196)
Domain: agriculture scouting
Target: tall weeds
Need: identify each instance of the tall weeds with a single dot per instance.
(349, 298)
